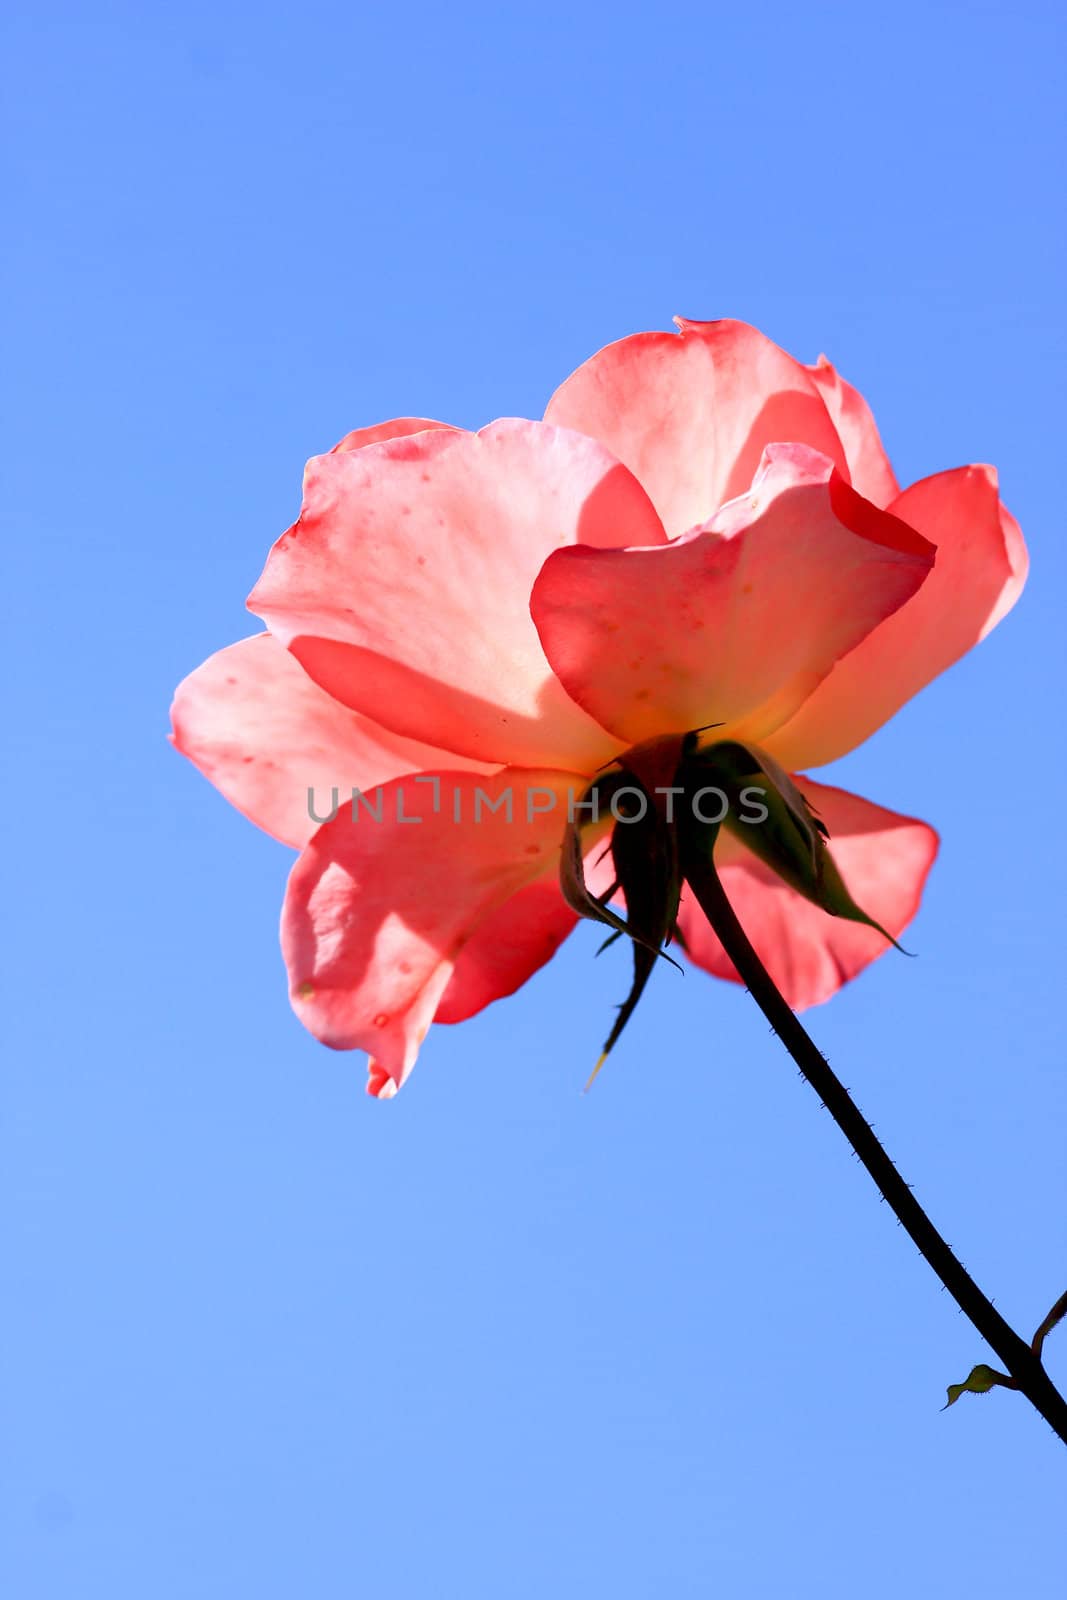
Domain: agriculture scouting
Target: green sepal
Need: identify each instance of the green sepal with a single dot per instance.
(573, 885)
(792, 838)
(645, 858)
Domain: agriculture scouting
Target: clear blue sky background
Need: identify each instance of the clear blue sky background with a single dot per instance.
(264, 1337)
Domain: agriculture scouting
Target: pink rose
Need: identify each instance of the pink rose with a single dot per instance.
(702, 531)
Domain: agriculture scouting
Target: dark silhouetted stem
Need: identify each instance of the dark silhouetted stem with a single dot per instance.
(1018, 1358)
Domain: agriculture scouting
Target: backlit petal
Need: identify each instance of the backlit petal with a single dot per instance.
(735, 624)
(404, 588)
(265, 734)
(978, 574)
(883, 858)
(512, 943)
(396, 428)
(516, 939)
(691, 413)
(868, 464)
(378, 911)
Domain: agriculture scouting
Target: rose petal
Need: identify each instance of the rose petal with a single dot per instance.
(512, 943)
(404, 588)
(265, 735)
(397, 428)
(868, 464)
(515, 941)
(883, 858)
(691, 413)
(377, 912)
(734, 624)
(978, 574)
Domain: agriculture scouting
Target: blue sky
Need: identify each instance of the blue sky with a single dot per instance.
(264, 1336)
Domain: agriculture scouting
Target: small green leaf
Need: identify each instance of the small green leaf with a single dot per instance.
(979, 1380)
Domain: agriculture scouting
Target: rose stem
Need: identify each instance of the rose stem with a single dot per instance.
(1025, 1368)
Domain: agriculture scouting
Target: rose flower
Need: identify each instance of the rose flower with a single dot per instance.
(698, 569)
